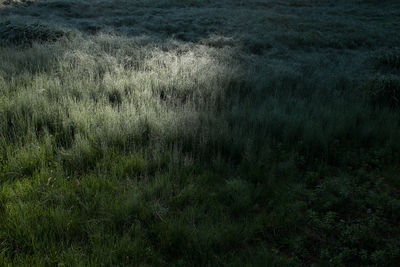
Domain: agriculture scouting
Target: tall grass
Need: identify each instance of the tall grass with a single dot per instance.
(230, 150)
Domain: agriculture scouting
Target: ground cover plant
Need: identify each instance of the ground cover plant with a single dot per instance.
(199, 133)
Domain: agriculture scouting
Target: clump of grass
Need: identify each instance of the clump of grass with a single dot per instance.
(26, 160)
(384, 91)
(115, 97)
(388, 60)
(26, 34)
(15, 2)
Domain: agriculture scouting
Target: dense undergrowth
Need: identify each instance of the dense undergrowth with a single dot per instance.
(272, 145)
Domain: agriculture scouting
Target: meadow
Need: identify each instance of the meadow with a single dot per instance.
(199, 133)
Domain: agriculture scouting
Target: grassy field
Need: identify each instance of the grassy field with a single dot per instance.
(199, 133)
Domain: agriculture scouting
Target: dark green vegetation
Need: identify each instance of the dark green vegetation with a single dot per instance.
(186, 133)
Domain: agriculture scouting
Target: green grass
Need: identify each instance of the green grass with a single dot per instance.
(199, 133)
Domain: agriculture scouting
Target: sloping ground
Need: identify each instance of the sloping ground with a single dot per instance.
(185, 132)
